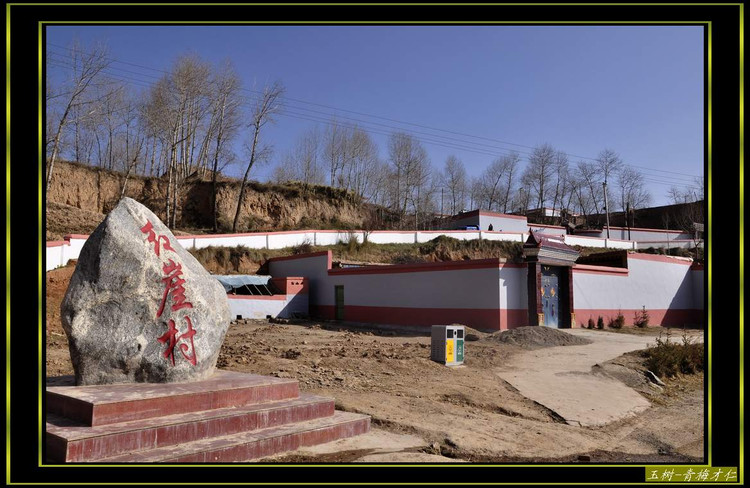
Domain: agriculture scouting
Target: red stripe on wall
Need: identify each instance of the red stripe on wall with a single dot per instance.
(671, 318)
(660, 258)
(420, 267)
(488, 319)
(301, 256)
(57, 243)
(510, 319)
(546, 226)
(495, 214)
(257, 297)
(588, 268)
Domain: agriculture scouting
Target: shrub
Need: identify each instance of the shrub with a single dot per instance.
(641, 318)
(304, 248)
(600, 323)
(668, 358)
(617, 322)
(591, 323)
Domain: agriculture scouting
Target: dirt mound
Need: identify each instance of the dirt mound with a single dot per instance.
(65, 219)
(535, 337)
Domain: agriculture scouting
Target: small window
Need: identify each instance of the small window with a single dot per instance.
(449, 333)
(460, 333)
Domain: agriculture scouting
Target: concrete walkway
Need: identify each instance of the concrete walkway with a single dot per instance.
(560, 378)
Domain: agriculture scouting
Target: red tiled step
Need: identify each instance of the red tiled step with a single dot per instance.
(107, 404)
(256, 444)
(68, 441)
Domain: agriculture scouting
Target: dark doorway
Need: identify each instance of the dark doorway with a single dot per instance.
(339, 302)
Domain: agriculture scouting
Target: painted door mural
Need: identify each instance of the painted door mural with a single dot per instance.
(551, 296)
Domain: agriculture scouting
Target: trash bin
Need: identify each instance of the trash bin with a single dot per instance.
(448, 344)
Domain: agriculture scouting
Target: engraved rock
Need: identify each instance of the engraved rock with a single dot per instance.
(139, 307)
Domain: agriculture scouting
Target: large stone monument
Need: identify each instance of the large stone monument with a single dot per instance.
(139, 307)
(145, 323)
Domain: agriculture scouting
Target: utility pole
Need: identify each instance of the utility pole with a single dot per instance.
(606, 206)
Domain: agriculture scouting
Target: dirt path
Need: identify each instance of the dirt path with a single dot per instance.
(561, 379)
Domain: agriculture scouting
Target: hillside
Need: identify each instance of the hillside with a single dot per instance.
(265, 206)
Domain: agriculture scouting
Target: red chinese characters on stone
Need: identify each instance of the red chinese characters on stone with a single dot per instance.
(149, 229)
(174, 287)
(171, 337)
(173, 284)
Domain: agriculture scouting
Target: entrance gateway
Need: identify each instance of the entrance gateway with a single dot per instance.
(550, 281)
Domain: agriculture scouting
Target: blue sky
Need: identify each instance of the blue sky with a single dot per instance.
(635, 89)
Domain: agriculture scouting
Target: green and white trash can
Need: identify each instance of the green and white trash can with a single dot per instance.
(448, 344)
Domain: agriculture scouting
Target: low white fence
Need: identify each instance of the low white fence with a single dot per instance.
(59, 252)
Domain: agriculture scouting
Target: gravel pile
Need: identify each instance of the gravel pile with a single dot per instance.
(535, 337)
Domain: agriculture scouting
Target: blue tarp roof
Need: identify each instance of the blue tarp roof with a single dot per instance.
(231, 282)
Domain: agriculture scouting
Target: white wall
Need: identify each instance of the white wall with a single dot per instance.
(698, 287)
(389, 237)
(260, 307)
(55, 255)
(547, 230)
(503, 224)
(666, 287)
(59, 255)
(465, 288)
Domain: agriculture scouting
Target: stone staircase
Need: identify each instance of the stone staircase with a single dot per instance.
(231, 417)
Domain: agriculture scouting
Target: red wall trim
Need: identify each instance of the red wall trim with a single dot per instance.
(664, 317)
(480, 319)
(492, 319)
(57, 243)
(496, 214)
(420, 267)
(300, 256)
(76, 236)
(257, 297)
(591, 269)
(512, 318)
(660, 258)
(547, 226)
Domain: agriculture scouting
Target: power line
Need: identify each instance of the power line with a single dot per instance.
(404, 123)
(318, 119)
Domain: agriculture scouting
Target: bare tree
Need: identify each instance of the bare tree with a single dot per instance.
(86, 67)
(589, 183)
(225, 121)
(633, 193)
(538, 174)
(266, 106)
(333, 151)
(510, 168)
(491, 180)
(689, 193)
(302, 163)
(560, 175)
(410, 172)
(453, 180)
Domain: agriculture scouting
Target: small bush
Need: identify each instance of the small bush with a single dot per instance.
(668, 358)
(304, 248)
(617, 322)
(591, 323)
(641, 318)
(600, 323)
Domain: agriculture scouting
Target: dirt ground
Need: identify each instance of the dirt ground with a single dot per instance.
(464, 413)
